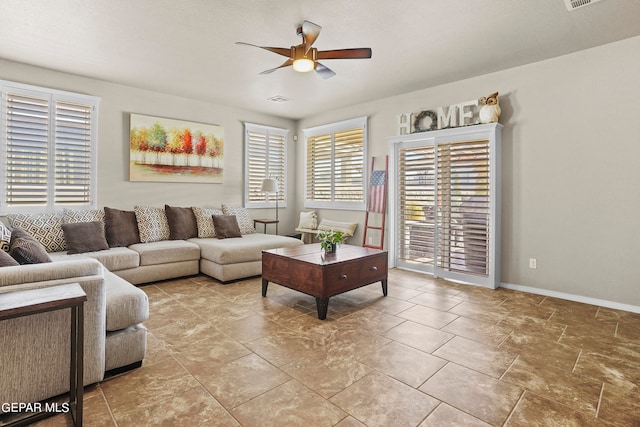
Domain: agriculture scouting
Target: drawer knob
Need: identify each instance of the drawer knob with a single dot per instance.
(343, 276)
(374, 268)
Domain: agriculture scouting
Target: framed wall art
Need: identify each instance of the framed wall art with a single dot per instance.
(170, 150)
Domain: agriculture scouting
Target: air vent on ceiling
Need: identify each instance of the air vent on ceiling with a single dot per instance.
(575, 4)
(278, 98)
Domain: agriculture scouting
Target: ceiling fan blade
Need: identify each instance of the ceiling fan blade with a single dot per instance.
(279, 50)
(286, 64)
(357, 53)
(310, 32)
(325, 72)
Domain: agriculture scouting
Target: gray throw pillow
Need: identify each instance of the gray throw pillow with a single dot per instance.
(25, 249)
(226, 226)
(84, 237)
(120, 227)
(7, 260)
(182, 223)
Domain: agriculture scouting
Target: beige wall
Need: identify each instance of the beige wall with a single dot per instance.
(571, 174)
(117, 102)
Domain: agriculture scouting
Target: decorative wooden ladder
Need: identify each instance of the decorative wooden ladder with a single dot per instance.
(376, 202)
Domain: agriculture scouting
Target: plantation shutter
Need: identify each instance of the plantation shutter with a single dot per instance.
(335, 168)
(48, 148)
(446, 207)
(265, 150)
(73, 157)
(27, 150)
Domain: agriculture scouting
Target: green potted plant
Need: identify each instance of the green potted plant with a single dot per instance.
(329, 239)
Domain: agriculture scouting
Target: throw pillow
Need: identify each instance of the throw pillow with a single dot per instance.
(84, 237)
(245, 222)
(25, 249)
(205, 222)
(45, 227)
(7, 260)
(5, 237)
(78, 215)
(152, 224)
(182, 223)
(308, 220)
(120, 227)
(226, 226)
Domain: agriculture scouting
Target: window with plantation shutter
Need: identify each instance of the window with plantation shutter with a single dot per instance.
(48, 148)
(335, 165)
(265, 157)
(447, 203)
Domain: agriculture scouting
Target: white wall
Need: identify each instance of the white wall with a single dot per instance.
(571, 174)
(117, 102)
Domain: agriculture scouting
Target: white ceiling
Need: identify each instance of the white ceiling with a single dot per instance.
(187, 47)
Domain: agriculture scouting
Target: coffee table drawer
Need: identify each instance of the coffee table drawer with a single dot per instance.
(373, 269)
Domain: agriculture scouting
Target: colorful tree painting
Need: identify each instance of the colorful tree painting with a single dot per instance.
(168, 150)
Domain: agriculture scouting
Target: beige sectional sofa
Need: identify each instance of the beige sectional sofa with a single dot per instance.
(115, 337)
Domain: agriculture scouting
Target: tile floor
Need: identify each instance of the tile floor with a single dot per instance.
(432, 353)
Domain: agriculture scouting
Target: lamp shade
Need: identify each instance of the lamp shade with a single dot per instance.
(269, 185)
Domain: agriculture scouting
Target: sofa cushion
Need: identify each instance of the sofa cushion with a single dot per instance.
(114, 259)
(152, 224)
(7, 260)
(5, 237)
(166, 251)
(45, 227)
(120, 227)
(182, 223)
(127, 305)
(226, 226)
(244, 218)
(205, 221)
(84, 237)
(25, 249)
(249, 248)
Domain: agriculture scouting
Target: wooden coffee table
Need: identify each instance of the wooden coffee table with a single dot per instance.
(307, 269)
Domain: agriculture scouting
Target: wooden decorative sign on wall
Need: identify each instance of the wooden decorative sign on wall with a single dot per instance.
(169, 150)
(482, 110)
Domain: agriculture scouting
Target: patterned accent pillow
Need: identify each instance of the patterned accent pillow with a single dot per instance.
(152, 224)
(5, 237)
(243, 216)
(45, 227)
(72, 216)
(205, 221)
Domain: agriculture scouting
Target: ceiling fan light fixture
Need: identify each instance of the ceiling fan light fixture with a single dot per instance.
(303, 65)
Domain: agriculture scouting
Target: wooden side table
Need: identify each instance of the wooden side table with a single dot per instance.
(265, 222)
(33, 301)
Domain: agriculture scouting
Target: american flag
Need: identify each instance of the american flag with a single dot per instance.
(376, 192)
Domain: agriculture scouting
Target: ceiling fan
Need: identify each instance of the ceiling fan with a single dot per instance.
(304, 58)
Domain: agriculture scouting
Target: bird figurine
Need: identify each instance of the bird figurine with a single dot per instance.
(490, 111)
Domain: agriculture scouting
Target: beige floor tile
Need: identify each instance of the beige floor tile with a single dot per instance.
(378, 400)
(291, 404)
(562, 386)
(439, 302)
(476, 330)
(428, 316)
(283, 347)
(480, 395)
(473, 310)
(236, 382)
(418, 336)
(535, 411)
(412, 367)
(620, 405)
(447, 416)
(476, 356)
(190, 408)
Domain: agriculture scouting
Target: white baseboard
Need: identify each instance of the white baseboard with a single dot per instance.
(571, 297)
